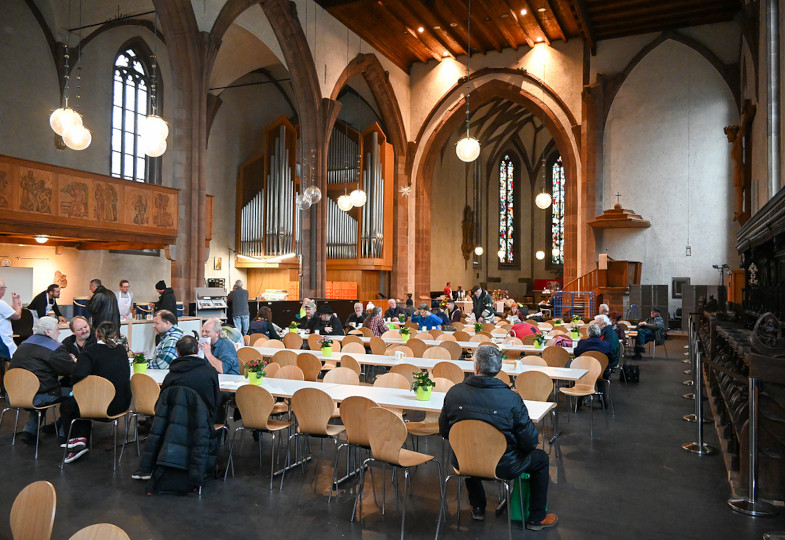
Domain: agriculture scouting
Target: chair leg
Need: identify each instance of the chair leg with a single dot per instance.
(509, 503)
(406, 480)
(114, 445)
(16, 426)
(272, 458)
(37, 433)
(68, 438)
(230, 461)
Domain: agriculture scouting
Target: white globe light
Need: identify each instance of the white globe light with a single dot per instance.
(358, 197)
(468, 149)
(154, 127)
(543, 200)
(303, 202)
(540, 255)
(478, 251)
(313, 193)
(154, 147)
(78, 138)
(63, 119)
(345, 203)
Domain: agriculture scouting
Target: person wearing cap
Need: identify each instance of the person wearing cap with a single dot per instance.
(355, 320)
(426, 319)
(326, 322)
(166, 300)
(394, 311)
(483, 305)
(652, 328)
(437, 310)
(306, 315)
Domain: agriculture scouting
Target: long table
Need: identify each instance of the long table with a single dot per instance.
(470, 345)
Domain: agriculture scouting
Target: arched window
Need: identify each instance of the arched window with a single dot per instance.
(506, 211)
(557, 212)
(130, 105)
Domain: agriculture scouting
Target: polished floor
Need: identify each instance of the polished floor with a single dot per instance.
(632, 480)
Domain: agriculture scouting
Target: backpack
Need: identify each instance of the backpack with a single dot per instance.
(562, 341)
(630, 373)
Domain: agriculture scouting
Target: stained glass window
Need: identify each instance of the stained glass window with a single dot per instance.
(506, 210)
(557, 212)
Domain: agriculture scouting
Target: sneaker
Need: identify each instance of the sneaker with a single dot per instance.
(75, 444)
(73, 456)
(141, 475)
(478, 513)
(549, 521)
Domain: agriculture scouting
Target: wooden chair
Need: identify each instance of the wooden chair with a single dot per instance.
(478, 447)
(502, 376)
(245, 355)
(293, 373)
(430, 424)
(387, 435)
(273, 344)
(488, 327)
(262, 342)
(403, 348)
(285, 358)
(438, 353)
(444, 336)
(101, 531)
(450, 371)
(21, 386)
(393, 380)
(342, 375)
(604, 361)
(256, 404)
(353, 411)
(392, 334)
(512, 341)
(378, 346)
(454, 349)
(145, 392)
(292, 340)
(559, 332)
(458, 325)
(94, 394)
(528, 340)
(435, 333)
(247, 340)
(406, 370)
(314, 408)
(583, 331)
(480, 338)
(531, 360)
(586, 385)
(499, 332)
(33, 511)
(366, 332)
(534, 386)
(353, 347)
(352, 339)
(484, 333)
(545, 327)
(348, 361)
(272, 368)
(555, 356)
(424, 335)
(460, 335)
(310, 365)
(314, 342)
(412, 325)
(417, 346)
(253, 338)
(579, 322)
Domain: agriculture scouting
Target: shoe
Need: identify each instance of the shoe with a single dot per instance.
(75, 444)
(549, 521)
(73, 456)
(49, 429)
(141, 475)
(478, 513)
(25, 437)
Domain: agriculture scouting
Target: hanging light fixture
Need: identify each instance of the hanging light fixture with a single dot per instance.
(468, 148)
(478, 251)
(42, 239)
(154, 129)
(543, 199)
(540, 255)
(358, 197)
(345, 203)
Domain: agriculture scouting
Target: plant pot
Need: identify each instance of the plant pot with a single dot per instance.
(327, 352)
(575, 335)
(423, 393)
(391, 326)
(537, 345)
(405, 337)
(140, 368)
(293, 330)
(254, 377)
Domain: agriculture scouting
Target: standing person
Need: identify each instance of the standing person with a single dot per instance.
(46, 301)
(125, 300)
(166, 299)
(165, 326)
(106, 358)
(484, 397)
(409, 309)
(263, 324)
(240, 314)
(102, 305)
(375, 323)
(652, 329)
(448, 290)
(355, 320)
(81, 336)
(483, 305)
(458, 293)
(7, 314)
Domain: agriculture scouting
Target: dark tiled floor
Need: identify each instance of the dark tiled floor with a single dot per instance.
(632, 480)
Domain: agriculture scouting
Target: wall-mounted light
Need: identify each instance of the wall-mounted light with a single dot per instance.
(42, 239)
(540, 255)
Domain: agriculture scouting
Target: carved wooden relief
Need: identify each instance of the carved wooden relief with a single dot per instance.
(35, 191)
(5, 188)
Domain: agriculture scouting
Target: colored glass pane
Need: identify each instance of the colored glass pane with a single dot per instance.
(557, 212)
(506, 210)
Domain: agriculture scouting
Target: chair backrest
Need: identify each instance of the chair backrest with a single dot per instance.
(448, 370)
(532, 360)
(454, 349)
(255, 404)
(435, 333)
(392, 380)
(460, 335)
(478, 446)
(579, 322)
(342, 375)
(145, 391)
(583, 331)
(293, 373)
(314, 342)
(262, 342)
(394, 334)
(378, 346)
(410, 324)
(245, 355)
(594, 370)
(424, 335)
(274, 344)
(555, 356)
(406, 370)
(502, 376)
(101, 531)
(285, 358)
(418, 347)
(439, 353)
(253, 338)
(272, 368)
(442, 385)
(444, 336)
(403, 348)
(479, 338)
(487, 327)
(534, 385)
(292, 340)
(457, 325)
(353, 347)
(512, 341)
(246, 340)
(499, 332)
(22, 386)
(93, 394)
(528, 340)
(313, 408)
(353, 417)
(386, 434)
(560, 331)
(367, 332)
(352, 339)
(33, 512)
(310, 365)
(545, 327)
(602, 357)
(348, 361)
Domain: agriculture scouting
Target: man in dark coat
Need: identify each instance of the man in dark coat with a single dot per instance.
(484, 397)
(326, 322)
(595, 342)
(45, 301)
(483, 305)
(102, 305)
(166, 298)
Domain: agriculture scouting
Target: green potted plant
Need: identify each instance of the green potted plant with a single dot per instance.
(477, 328)
(575, 319)
(140, 362)
(401, 318)
(406, 333)
(327, 346)
(294, 326)
(422, 385)
(539, 340)
(254, 371)
(558, 321)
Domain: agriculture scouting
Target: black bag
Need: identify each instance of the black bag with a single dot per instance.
(630, 373)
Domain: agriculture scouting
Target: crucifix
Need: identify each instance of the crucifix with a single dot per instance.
(618, 197)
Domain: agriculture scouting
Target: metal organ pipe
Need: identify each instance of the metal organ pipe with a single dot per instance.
(373, 211)
(341, 233)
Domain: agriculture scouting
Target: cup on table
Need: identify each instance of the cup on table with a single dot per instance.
(399, 356)
(316, 332)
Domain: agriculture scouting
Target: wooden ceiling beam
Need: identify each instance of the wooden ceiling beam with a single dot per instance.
(587, 29)
(92, 246)
(516, 18)
(457, 47)
(648, 13)
(430, 20)
(561, 35)
(421, 39)
(531, 25)
(499, 14)
(479, 27)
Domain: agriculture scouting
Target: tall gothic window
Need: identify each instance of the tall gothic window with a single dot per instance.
(557, 212)
(506, 211)
(130, 105)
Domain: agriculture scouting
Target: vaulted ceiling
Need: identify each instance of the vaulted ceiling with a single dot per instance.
(409, 31)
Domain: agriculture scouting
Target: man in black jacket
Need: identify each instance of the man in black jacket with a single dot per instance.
(102, 305)
(45, 301)
(484, 397)
(166, 299)
(482, 305)
(326, 322)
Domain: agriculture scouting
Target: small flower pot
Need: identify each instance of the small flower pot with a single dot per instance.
(537, 345)
(391, 326)
(254, 377)
(423, 393)
(405, 337)
(140, 368)
(327, 352)
(575, 335)
(293, 330)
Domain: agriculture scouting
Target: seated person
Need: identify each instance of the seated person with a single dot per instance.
(652, 329)
(375, 323)
(263, 324)
(355, 320)
(453, 311)
(326, 322)
(106, 358)
(609, 335)
(484, 397)
(165, 326)
(307, 313)
(81, 336)
(594, 343)
(615, 317)
(425, 318)
(48, 359)
(436, 310)
(218, 350)
(394, 311)
(409, 309)
(522, 329)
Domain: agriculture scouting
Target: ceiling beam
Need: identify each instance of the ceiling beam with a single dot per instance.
(430, 20)
(531, 26)
(515, 16)
(559, 26)
(424, 40)
(587, 29)
(500, 8)
(478, 27)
